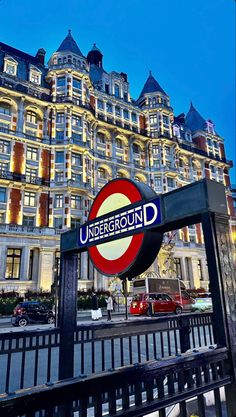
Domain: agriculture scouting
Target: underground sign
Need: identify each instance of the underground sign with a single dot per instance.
(128, 256)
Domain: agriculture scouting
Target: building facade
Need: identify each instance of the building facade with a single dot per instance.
(65, 130)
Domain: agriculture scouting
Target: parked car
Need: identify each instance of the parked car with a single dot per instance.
(159, 303)
(31, 312)
(202, 304)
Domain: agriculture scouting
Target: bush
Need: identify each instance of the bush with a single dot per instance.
(7, 305)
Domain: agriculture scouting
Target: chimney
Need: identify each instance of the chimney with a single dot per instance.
(41, 55)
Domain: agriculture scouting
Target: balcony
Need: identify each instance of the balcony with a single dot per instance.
(10, 132)
(78, 184)
(29, 230)
(14, 84)
(12, 176)
(76, 101)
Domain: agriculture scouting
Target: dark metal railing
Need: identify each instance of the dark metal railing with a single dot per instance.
(133, 391)
(98, 347)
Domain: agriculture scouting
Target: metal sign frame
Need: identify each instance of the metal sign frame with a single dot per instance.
(200, 202)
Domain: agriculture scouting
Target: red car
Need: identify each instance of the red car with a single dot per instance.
(154, 303)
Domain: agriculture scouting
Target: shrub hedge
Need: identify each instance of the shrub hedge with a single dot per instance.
(9, 300)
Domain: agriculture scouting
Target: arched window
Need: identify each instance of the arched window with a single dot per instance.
(31, 117)
(119, 143)
(136, 148)
(102, 173)
(120, 175)
(5, 108)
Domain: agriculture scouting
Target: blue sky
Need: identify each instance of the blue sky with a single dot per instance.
(188, 45)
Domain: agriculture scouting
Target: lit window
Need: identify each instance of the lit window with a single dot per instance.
(76, 83)
(5, 108)
(76, 177)
(31, 175)
(60, 117)
(101, 173)
(126, 114)
(76, 160)
(2, 195)
(59, 157)
(10, 66)
(35, 77)
(32, 153)
(155, 150)
(31, 117)
(3, 168)
(76, 120)
(13, 263)
(58, 202)
(117, 90)
(153, 118)
(119, 143)
(157, 181)
(75, 202)
(29, 199)
(4, 147)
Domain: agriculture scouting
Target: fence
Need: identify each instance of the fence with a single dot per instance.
(29, 358)
(131, 391)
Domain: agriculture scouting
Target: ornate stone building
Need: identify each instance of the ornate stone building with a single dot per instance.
(68, 128)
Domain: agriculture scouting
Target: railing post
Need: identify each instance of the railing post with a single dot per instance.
(67, 313)
(184, 334)
(222, 284)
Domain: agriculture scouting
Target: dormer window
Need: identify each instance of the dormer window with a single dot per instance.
(117, 90)
(35, 75)
(210, 127)
(10, 65)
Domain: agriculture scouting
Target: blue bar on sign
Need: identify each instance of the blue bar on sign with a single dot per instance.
(145, 215)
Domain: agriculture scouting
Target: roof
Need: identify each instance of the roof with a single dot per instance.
(16, 52)
(194, 121)
(151, 86)
(70, 45)
(95, 48)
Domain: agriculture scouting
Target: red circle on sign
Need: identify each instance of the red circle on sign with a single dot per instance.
(118, 265)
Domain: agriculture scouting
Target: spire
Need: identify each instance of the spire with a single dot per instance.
(69, 45)
(194, 121)
(151, 86)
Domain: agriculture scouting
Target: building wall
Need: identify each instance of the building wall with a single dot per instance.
(63, 140)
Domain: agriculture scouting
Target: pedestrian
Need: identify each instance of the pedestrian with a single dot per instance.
(109, 302)
(94, 311)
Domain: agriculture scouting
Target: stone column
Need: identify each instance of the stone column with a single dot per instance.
(20, 118)
(45, 278)
(24, 270)
(3, 257)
